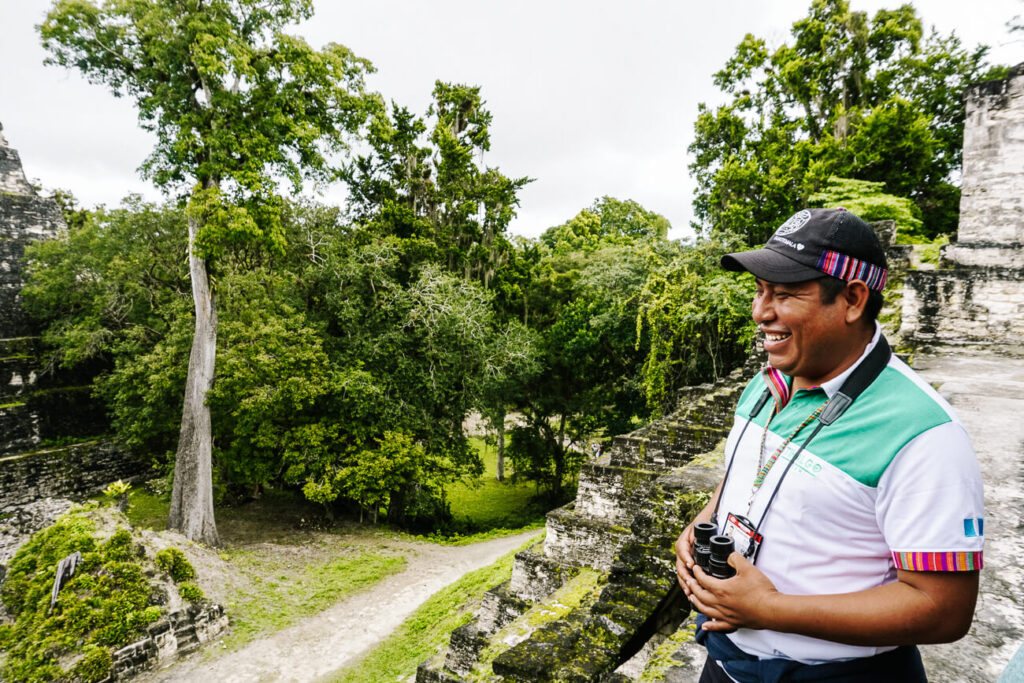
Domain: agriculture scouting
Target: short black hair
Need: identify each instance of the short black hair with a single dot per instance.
(831, 287)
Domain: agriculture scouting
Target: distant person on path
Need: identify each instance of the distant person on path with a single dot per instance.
(858, 523)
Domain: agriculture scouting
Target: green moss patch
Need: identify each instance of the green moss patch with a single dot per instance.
(581, 589)
(661, 659)
(107, 604)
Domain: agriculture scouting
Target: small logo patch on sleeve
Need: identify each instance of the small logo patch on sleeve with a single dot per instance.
(974, 526)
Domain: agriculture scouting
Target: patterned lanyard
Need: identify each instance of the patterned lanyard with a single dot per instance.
(767, 464)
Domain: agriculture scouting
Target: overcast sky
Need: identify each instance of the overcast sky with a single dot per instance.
(589, 97)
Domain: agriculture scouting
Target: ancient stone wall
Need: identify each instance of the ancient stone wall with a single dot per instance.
(39, 405)
(178, 634)
(976, 296)
(71, 471)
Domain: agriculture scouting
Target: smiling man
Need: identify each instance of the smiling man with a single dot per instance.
(851, 488)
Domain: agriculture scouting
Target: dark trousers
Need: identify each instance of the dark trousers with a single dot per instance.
(902, 665)
(899, 666)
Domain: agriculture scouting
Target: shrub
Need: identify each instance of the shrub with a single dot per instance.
(190, 592)
(174, 562)
(105, 605)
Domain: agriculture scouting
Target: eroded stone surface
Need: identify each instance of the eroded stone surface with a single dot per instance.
(987, 391)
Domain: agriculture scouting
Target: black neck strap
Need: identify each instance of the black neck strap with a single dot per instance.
(854, 385)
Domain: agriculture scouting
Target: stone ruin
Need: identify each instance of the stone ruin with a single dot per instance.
(976, 296)
(592, 602)
(42, 407)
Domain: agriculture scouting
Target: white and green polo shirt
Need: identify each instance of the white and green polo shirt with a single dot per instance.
(893, 483)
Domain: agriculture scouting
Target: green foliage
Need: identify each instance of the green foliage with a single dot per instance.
(608, 221)
(174, 563)
(867, 98)
(117, 489)
(697, 318)
(230, 96)
(430, 626)
(191, 592)
(868, 200)
(105, 605)
(580, 297)
(95, 665)
(420, 183)
(237, 106)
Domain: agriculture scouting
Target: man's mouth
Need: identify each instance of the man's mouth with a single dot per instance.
(776, 336)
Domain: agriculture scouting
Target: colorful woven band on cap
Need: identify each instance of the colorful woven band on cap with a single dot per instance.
(938, 562)
(848, 268)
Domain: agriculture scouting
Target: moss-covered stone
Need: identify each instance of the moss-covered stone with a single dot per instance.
(104, 605)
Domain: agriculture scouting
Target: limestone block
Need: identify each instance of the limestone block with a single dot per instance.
(499, 608)
(973, 306)
(536, 576)
(992, 192)
(464, 648)
(603, 490)
(582, 542)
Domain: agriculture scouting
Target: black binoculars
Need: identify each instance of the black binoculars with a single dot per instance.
(711, 551)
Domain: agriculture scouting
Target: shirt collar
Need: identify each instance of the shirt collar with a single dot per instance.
(833, 385)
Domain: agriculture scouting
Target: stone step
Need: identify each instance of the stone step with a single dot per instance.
(535, 575)
(464, 648)
(603, 491)
(664, 448)
(498, 608)
(581, 541)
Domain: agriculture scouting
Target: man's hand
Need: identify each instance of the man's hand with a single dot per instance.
(684, 554)
(742, 601)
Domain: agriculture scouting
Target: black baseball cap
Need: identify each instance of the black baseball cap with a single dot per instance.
(814, 243)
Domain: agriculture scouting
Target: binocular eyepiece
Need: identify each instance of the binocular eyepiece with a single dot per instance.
(711, 551)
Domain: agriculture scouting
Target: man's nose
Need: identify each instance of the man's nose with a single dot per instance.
(762, 309)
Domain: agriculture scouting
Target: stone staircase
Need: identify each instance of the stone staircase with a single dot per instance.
(598, 590)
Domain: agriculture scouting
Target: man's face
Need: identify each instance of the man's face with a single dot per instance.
(805, 338)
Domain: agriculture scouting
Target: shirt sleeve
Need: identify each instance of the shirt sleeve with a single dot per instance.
(930, 505)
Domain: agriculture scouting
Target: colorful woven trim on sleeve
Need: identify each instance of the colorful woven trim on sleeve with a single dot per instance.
(938, 562)
(848, 268)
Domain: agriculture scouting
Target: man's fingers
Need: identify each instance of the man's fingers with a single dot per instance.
(717, 625)
(738, 561)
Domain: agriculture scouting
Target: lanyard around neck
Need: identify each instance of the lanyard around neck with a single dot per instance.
(854, 385)
(765, 466)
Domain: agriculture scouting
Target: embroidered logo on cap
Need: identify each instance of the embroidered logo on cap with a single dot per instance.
(795, 222)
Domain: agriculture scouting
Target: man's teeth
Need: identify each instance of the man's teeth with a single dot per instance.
(775, 337)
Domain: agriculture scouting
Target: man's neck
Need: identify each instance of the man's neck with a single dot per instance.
(851, 353)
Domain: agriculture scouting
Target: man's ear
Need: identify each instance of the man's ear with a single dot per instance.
(856, 297)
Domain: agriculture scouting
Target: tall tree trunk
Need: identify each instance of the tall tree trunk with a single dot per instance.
(499, 424)
(560, 458)
(192, 496)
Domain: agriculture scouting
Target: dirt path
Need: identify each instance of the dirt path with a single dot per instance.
(333, 638)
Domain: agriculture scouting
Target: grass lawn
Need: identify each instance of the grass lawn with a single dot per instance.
(429, 627)
(278, 591)
(492, 504)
